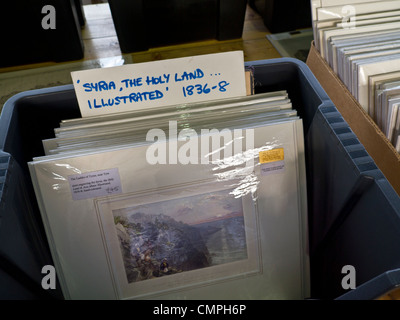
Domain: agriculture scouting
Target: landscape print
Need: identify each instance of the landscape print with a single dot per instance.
(173, 236)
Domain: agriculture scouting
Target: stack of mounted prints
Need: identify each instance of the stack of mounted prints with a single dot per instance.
(197, 201)
(360, 40)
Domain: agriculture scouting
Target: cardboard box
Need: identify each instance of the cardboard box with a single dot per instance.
(375, 142)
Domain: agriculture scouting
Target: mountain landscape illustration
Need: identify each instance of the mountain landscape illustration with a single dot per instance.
(156, 245)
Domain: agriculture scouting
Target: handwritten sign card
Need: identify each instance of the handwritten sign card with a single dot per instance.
(160, 83)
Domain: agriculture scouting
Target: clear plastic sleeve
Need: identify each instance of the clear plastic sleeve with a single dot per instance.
(206, 214)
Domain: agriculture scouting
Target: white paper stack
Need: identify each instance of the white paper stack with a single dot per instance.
(360, 40)
(197, 201)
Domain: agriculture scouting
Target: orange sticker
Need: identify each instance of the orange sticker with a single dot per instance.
(273, 155)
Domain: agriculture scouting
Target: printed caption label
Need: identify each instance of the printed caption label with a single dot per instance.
(272, 161)
(160, 83)
(95, 184)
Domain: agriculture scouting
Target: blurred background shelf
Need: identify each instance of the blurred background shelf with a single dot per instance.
(100, 41)
(101, 48)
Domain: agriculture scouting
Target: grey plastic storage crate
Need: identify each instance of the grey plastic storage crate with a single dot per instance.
(354, 213)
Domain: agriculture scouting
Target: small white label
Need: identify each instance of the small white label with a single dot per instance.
(95, 184)
(272, 167)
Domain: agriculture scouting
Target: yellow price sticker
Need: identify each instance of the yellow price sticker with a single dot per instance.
(273, 155)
